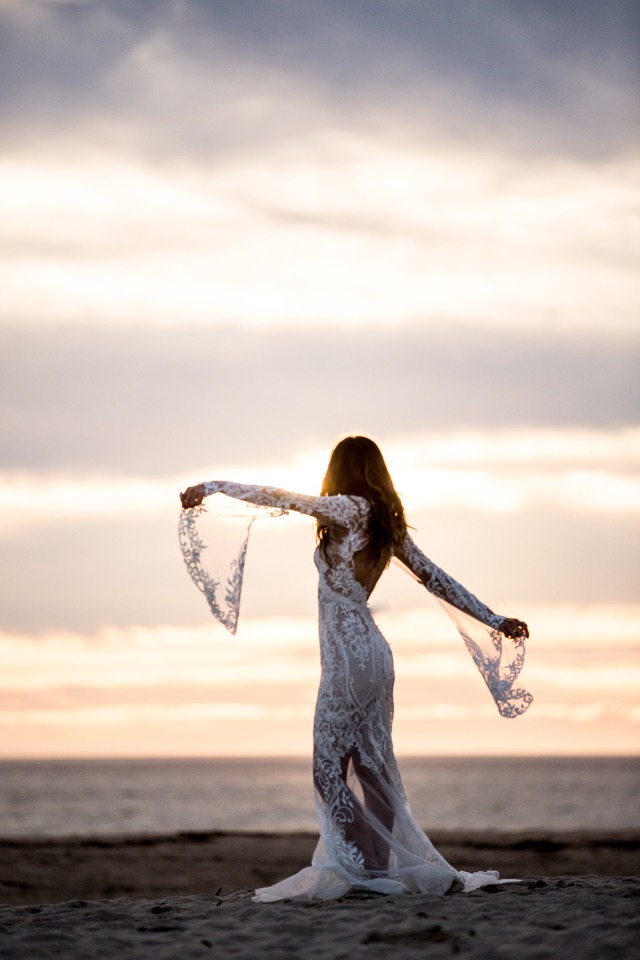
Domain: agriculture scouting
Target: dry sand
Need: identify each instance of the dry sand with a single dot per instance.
(590, 918)
(141, 897)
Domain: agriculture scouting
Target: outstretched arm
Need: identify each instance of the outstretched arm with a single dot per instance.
(331, 511)
(441, 585)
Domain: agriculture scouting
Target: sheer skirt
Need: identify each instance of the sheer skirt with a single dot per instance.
(368, 836)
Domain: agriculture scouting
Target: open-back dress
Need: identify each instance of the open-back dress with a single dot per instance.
(368, 836)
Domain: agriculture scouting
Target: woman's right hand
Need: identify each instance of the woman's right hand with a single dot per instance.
(192, 496)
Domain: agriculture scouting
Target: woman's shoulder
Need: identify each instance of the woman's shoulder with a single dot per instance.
(362, 503)
(353, 508)
(354, 497)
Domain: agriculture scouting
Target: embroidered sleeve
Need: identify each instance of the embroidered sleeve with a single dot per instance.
(218, 572)
(441, 585)
(499, 661)
(331, 511)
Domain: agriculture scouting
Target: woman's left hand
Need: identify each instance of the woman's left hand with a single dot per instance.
(192, 496)
(514, 629)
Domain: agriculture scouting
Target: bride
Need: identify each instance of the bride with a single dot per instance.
(368, 837)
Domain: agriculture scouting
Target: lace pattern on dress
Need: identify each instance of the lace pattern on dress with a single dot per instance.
(498, 660)
(222, 591)
(368, 837)
(223, 598)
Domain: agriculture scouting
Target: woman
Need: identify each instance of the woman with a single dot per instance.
(368, 837)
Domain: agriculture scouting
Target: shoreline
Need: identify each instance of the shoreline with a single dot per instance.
(220, 863)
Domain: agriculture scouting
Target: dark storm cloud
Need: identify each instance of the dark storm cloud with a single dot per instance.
(196, 78)
(129, 400)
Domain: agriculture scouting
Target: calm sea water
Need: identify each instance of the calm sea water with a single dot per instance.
(89, 797)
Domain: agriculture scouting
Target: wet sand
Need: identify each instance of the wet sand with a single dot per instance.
(205, 864)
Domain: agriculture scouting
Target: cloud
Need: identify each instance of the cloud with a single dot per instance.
(265, 224)
(79, 574)
(191, 78)
(122, 679)
(496, 472)
(276, 657)
(336, 228)
(134, 401)
(190, 162)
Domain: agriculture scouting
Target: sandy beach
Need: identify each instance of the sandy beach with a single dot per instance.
(591, 918)
(221, 863)
(189, 896)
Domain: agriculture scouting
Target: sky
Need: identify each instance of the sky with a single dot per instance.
(232, 232)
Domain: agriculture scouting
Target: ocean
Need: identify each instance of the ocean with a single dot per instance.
(49, 798)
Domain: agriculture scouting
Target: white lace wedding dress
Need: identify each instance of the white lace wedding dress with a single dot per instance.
(368, 837)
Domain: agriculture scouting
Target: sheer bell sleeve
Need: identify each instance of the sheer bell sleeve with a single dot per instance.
(214, 542)
(498, 660)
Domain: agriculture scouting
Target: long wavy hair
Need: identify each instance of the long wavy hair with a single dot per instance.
(357, 468)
